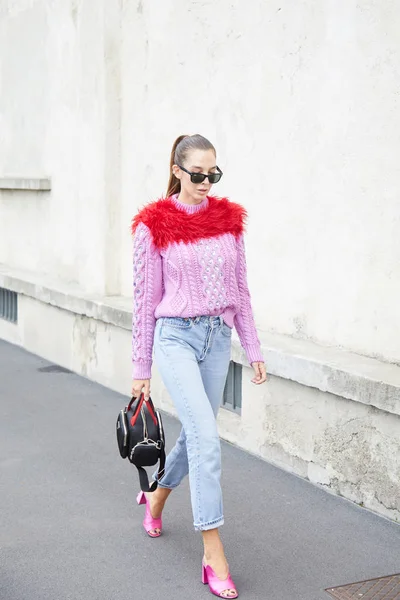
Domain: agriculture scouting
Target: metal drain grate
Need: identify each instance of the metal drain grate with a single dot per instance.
(8, 305)
(382, 588)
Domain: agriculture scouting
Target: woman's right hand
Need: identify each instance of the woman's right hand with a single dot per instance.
(139, 386)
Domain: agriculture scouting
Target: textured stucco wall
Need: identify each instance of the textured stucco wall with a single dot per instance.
(301, 100)
(55, 113)
(350, 449)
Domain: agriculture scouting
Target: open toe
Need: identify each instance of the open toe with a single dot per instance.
(151, 526)
(229, 594)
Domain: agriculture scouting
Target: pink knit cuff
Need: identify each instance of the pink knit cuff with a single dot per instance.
(142, 369)
(253, 352)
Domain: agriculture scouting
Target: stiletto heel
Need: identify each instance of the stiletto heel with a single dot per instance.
(149, 523)
(217, 586)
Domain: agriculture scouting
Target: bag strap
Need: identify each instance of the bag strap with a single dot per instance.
(143, 478)
(133, 399)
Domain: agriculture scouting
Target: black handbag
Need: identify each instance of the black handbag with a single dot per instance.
(140, 438)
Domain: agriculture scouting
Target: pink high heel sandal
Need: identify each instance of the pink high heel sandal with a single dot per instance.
(149, 523)
(216, 585)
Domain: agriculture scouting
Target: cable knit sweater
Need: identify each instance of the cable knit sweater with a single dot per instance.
(189, 261)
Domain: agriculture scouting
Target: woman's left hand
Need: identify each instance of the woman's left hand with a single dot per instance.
(260, 371)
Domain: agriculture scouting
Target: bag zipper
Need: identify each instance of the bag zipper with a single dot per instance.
(160, 427)
(144, 424)
(123, 420)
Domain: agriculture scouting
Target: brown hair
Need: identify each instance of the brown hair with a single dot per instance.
(182, 146)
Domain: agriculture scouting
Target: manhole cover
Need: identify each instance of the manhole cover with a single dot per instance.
(53, 369)
(382, 588)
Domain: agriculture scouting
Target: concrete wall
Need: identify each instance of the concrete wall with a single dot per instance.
(57, 118)
(301, 99)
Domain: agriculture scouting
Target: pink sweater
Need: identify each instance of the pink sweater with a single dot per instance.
(189, 261)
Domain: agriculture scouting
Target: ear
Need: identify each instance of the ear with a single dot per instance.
(177, 172)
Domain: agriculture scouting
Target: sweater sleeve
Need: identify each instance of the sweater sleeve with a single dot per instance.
(147, 292)
(244, 319)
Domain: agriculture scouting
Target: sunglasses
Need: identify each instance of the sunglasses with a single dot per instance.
(200, 177)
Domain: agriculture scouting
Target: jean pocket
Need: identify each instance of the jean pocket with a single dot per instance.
(226, 330)
(176, 322)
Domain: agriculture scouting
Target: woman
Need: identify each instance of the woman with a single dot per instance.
(190, 289)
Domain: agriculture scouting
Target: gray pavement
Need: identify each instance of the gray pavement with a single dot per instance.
(70, 529)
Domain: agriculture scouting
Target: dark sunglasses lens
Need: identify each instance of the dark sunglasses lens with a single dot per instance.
(197, 177)
(214, 177)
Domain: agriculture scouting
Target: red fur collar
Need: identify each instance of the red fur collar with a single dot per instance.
(168, 223)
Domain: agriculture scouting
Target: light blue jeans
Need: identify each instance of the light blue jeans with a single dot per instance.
(193, 357)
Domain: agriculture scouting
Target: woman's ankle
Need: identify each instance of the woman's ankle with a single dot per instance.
(212, 543)
(159, 496)
(214, 557)
(214, 553)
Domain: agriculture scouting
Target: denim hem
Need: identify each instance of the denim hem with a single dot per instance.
(211, 525)
(167, 487)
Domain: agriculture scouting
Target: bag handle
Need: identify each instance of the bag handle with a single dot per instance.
(134, 400)
(143, 478)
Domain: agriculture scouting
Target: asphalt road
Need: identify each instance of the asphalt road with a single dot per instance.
(70, 528)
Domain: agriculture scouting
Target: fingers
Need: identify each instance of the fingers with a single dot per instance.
(260, 373)
(139, 386)
(263, 370)
(257, 371)
(136, 389)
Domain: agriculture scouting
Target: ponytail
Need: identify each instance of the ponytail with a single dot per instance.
(174, 185)
(182, 145)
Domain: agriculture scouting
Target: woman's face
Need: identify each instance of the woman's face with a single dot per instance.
(197, 161)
